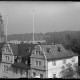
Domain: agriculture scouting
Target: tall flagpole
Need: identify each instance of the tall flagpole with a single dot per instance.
(33, 25)
(6, 28)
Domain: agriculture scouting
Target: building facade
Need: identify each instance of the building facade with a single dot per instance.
(15, 60)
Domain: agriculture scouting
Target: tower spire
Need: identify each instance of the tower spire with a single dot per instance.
(33, 25)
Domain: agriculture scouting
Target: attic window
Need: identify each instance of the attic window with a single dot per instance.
(37, 52)
(15, 57)
(59, 49)
(19, 60)
(48, 50)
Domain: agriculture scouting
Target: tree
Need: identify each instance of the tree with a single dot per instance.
(67, 73)
(71, 72)
(77, 70)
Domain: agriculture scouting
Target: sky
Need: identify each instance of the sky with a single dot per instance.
(48, 16)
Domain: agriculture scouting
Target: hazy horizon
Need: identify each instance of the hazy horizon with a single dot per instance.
(48, 16)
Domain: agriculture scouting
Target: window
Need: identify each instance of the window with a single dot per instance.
(54, 75)
(64, 61)
(37, 52)
(48, 50)
(5, 77)
(54, 63)
(21, 72)
(38, 63)
(19, 60)
(41, 75)
(5, 68)
(7, 58)
(73, 59)
(59, 48)
(26, 62)
(34, 74)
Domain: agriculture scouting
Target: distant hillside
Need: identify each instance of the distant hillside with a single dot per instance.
(61, 37)
(23, 37)
(50, 37)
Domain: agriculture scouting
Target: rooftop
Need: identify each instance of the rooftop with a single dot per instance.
(54, 54)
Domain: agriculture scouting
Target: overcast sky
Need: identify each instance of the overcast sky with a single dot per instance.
(48, 16)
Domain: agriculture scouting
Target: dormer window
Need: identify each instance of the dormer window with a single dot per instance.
(59, 49)
(15, 57)
(19, 60)
(37, 52)
(48, 50)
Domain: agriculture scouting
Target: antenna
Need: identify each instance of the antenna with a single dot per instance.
(6, 27)
(33, 25)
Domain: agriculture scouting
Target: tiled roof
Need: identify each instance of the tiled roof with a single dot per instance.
(25, 49)
(21, 49)
(14, 48)
(55, 54)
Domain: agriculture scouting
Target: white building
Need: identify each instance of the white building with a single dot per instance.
(47, 61)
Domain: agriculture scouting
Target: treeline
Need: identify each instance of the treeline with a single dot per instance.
(69, 39)
(26, 37)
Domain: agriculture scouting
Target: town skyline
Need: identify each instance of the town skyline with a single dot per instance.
(48, 16)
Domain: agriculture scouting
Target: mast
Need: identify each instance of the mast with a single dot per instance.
(33, 25)
(6, 27)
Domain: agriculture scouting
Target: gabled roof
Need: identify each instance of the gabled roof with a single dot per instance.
(21, 49)
(14, 48)
(55, 54)
(25, 49)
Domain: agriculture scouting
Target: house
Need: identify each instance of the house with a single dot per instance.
(16, 60)
(47, 61)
